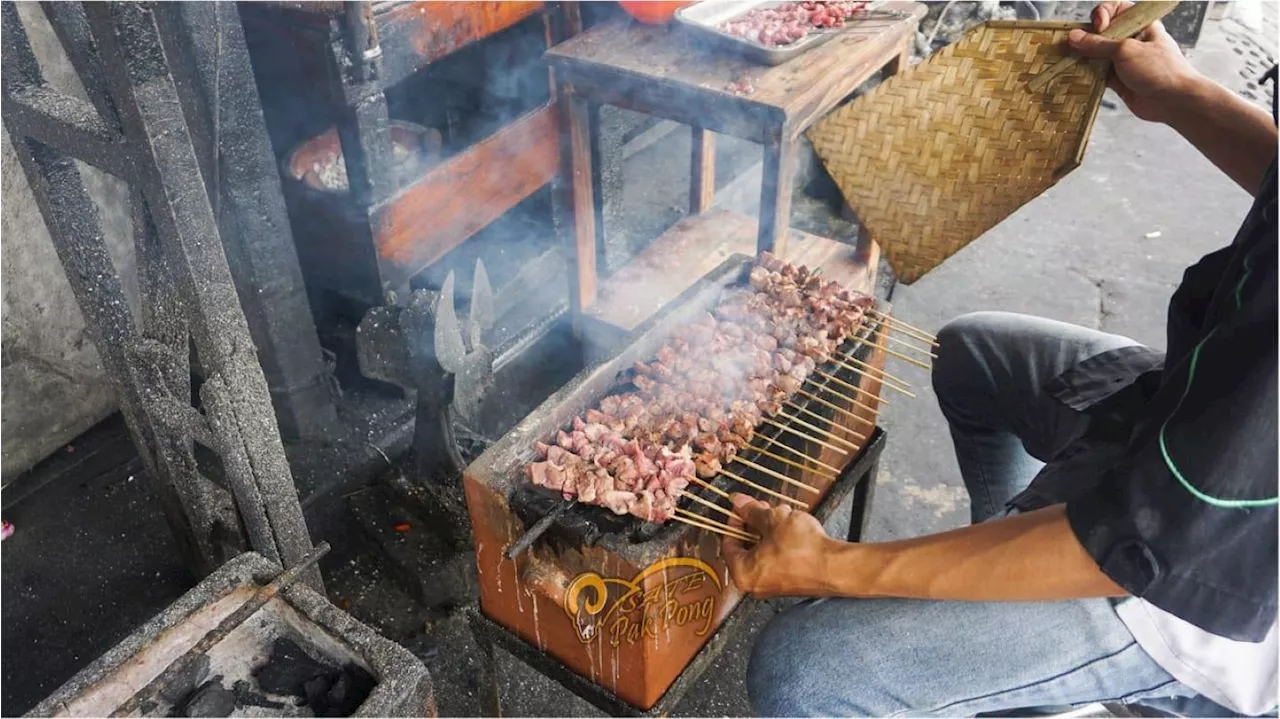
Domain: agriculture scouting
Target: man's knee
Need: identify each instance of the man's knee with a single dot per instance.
(792, 672)
(963, 353)
(777, 670)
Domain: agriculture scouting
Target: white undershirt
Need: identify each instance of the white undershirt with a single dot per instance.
(1238, 675)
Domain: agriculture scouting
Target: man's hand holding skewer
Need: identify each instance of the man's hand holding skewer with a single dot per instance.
(789, 558)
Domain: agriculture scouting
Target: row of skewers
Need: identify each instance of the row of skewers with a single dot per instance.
(701, 401)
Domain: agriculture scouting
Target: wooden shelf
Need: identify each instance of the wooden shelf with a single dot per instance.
(692, 248)
(459, 197)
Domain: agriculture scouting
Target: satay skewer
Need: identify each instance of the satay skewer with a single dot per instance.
(838, 408)
(873, 368)
(710, 486)
(776, 475)
(765, 490)
(842, 383)
(791, 463)
(710, 528)
(868, 374)
(891, 353)
(796, 452)
(793, 405)
(707, 503)
(908, 345)
(717, 523)
(822, 432)
(802, 435)
(905, 328)
(860, 390)
(881, 379)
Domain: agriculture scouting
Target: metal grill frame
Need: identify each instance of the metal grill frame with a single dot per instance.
(858, 479)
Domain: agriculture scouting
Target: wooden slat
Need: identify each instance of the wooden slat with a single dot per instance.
(696, 245)
(668, 72)
(459, 197)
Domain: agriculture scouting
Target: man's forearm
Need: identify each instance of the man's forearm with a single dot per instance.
(1028, 557)
(1234, 134)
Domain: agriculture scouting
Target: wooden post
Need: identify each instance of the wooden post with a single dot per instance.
(578, 222)
(702, 171)
(775, 197)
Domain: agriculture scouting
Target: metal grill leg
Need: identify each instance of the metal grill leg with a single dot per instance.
(860, 511)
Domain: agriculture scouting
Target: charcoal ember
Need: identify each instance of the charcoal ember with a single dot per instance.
(210, 700)
(288, 669)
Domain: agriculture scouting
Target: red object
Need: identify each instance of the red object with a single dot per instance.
(403, 527)
(652, 12)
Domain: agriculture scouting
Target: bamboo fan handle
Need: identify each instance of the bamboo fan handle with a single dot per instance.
(1125, 25)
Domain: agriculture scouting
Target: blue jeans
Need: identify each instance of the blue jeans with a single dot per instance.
(896, 657)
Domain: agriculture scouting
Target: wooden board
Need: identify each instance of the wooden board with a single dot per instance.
(462, 195)
(667, 72)
(696, 245)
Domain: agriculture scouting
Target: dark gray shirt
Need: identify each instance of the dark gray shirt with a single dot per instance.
(1174, 488)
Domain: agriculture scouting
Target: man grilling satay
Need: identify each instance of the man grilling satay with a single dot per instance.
(1139, 563)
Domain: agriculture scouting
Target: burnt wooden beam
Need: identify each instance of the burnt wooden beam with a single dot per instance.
(72, 29)
(209, 59)
(167, 173)
(64, 121)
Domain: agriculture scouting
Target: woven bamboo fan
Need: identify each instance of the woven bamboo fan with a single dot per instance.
(935, 156)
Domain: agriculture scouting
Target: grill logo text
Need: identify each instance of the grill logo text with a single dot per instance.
(626, 612)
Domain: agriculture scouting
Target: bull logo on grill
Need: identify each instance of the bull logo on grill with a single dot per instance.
(626, 612)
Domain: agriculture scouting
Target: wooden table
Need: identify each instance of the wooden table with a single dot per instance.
(665, 72)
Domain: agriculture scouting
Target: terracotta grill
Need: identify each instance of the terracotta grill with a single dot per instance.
(623, 603)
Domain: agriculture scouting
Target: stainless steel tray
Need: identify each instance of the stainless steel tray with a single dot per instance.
(704, 19)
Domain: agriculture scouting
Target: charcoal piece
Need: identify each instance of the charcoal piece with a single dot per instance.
(187, 681)
(247, 697)
(344, 694)
(210, 700)
(316, 689)
(288, 669)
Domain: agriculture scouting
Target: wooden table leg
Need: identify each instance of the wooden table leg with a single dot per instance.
(899, 63)
(702, 171)
(775, 197)
(577, 208)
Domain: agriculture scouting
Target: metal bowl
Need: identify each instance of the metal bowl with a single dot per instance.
(318, 163)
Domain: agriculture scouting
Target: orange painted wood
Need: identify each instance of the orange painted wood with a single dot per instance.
(436, 29)
(459, 197)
